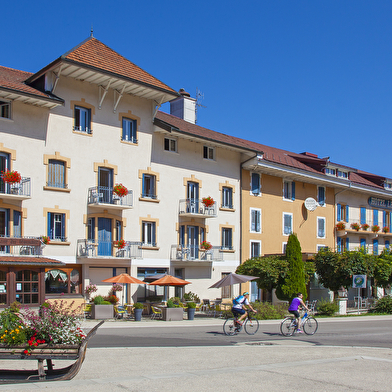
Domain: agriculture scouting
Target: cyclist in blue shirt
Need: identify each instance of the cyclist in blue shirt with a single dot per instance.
(293, 308)
(239, 308)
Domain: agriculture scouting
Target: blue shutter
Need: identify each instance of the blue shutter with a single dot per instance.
(17, 224)
(375, 217)
(339, 243)
(50, 229)
(293, 190)
(63, 227)
(363, 243)
(321, 195)
(182, 235)
(375, 246)
(153, 230)
(255, 183)
(253, 220)
(347, 213)
(387, 244)
(143, 185)
(363, 215)
(339, 212)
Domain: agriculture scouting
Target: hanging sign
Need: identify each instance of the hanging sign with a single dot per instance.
(359, 281)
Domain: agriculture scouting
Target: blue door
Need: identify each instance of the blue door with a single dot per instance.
(104, 237)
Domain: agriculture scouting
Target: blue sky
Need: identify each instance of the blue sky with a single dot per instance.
(298, 75)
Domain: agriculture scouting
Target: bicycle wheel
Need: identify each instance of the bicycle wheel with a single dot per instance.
(310, 326)
(229, 328)
(251, 326)
(287, 326)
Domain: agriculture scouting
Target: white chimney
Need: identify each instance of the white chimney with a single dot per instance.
(184, 107)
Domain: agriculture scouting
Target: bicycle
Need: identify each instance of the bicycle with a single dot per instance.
(289, 325)
(232, 327)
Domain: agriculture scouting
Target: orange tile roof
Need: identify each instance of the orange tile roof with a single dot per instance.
(23, 260)
(13, 79)
(94, 53)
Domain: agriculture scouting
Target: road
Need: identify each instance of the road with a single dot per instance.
(369, 331)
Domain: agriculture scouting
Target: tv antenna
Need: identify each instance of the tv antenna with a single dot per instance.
(199, 98)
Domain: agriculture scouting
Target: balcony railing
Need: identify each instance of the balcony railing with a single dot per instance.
(91, 248)
(20, 246)
(369, 222)
(17, 189)
(196, 207)
(104, 195)
(194, 253)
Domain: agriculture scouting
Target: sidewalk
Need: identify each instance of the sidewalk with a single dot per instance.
(270, 366)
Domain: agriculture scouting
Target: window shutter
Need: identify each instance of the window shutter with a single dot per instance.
(153, 235)
(375, 217)
(17, 224)
(255, 183)
(387, 244)
(62, 227)
(347, 215)
(293, 190)
(384, 218)
(339, 212)
(49, 228)
(375, 246)
(363, 243)
(363, 215)
(321, 195)
(339, 243)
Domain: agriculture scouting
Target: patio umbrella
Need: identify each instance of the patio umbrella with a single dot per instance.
(123, 278)
(231, 279)
(169, 280)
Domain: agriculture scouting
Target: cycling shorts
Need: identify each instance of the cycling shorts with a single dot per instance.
(295, 313)
(237, 312)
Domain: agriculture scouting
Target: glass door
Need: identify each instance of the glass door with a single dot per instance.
(4, 165)
(193, 197)
(193, 242)
(104, 237)
(105, 184)
(4, 228)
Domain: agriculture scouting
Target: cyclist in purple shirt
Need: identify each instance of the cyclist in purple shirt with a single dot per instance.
(293, 308)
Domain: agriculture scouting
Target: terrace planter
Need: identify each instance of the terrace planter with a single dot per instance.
(172, 314)
(191, 313)
(102, 312)
(138, 314)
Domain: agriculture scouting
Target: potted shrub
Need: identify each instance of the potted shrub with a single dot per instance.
(172, 312)
(205, 245)
(364, 226)
(355, 226)
(385, 229)
(138, 309)
(120, 190)
(375, 228)
(11, 176)
(341, 226)
(101, 309)
(191, 310)
(120, 244)
(45, 239)
(208, 201)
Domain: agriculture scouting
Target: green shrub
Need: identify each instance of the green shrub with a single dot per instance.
(267, 311)
(384, 305)
(170, 304)
(327, 308)
(191, 305)
(191, 297)
(138, 305)
(98, 300)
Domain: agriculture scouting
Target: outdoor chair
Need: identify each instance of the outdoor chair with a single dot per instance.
(156, 313)
(119, 311)
(87, 311)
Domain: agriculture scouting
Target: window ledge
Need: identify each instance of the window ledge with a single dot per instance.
(53, 242)
(83, 133)
(226, 209)
(149, 200)
(227, 250)
(52, 188)
(286, 199)
(149, 247)
(129, 142)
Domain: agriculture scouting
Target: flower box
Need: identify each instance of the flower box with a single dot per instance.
(172, 314)
(102, 312)
(340, 226)
(11, 176)
(208, 201)
(120, 190)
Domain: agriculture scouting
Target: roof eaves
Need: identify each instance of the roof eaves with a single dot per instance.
(49, 98)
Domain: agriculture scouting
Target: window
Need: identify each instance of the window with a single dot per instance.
(255, 184)
(5, 109)
(255, 249)
(386, 219)
(17, 223)
(170, 144)
(27, 287)
(148, 234)
(342, 212)
(330, 172)
(226, 290)
(65, 281)
(388, 185)
(91, 229)
(82, 120)
(227, 238)
(362, 243)
(321, 195)
(56, 226)
(342, 174)
(148, 190)
(342, 244)
(289, 190)
(320, 227)
(56, 174)
(208, 152)
(129, 130)
(227, 197)
(287, 223)
(255, 221)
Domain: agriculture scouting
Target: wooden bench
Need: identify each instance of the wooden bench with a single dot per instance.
(46, 352)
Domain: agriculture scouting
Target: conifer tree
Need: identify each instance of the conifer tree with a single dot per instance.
(295, 278)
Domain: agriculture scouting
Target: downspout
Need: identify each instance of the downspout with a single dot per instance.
(241, 164)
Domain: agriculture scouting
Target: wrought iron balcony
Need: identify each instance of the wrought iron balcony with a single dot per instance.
(21, 190)
(102, 195)
(92, 249)
(195, 253)
(195, 207)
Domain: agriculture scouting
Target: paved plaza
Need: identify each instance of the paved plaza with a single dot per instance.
(269, 366)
